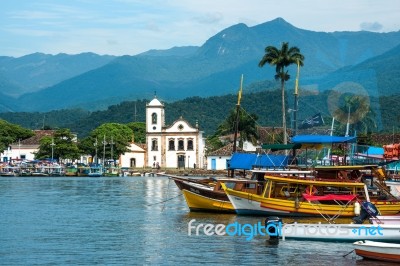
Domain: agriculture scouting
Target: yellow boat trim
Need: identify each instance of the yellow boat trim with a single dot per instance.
(313, 182)
(196, 201)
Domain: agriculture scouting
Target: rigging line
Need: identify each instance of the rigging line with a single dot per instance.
(164, 201)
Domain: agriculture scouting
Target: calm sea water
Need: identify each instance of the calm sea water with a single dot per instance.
(131, 221)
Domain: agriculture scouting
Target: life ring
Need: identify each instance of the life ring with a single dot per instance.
(313, 192)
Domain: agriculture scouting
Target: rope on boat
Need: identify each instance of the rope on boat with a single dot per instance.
(348, 253)
(164, 201)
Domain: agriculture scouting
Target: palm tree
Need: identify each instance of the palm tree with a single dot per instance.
(281, 59)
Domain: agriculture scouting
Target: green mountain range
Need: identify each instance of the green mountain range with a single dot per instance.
(93, 82)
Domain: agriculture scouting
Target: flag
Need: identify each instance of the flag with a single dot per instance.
(313, 121)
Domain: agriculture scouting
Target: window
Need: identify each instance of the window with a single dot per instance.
(190, 145)
(154, 118)
(171, 145)
(180, 145)
(154, 145)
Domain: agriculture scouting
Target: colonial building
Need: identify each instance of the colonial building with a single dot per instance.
(179, 145)
(25, 149)
(135, 157)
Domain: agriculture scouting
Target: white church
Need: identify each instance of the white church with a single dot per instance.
(178, 145)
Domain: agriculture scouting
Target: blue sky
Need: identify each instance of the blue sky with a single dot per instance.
(129, 27)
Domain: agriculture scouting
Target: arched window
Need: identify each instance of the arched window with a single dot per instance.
(154, 145)
(190, 145)
(154, 118)
(171, 144)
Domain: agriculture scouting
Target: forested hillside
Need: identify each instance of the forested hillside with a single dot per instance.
(207, 112)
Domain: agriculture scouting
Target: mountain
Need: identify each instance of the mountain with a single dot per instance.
(214, 68)
(38, 71)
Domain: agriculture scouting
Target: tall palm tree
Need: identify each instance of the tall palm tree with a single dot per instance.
(281, 59)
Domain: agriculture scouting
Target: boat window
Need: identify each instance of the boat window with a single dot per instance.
(250, 185)
(230, 185)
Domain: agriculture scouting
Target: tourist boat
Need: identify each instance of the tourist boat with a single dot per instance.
(377, 250)
(322, 194)
(208, 195)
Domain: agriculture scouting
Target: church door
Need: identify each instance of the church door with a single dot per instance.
(181, 161)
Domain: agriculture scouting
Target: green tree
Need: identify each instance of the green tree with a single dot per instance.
(62, 145)
(246, 127)
(139, 131)
(281, 59)
(110, 140)
(10, 133)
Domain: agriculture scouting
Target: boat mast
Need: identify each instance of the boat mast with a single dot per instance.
(296, 104)
(296, 101)
(237, 115)
(237, 120)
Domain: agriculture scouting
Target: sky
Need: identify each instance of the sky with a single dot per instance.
(129, 27)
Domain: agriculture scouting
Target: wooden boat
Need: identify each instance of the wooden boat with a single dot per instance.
(112, 171)
(377, 250)
(208, 195)
(71, 171)
(324, 194)
(83, 171)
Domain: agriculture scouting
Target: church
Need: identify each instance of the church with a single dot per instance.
(176, 146)
(179, 145)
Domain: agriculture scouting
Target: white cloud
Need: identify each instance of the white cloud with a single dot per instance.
(133, 26)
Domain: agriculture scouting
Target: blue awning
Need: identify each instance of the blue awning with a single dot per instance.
(247, 161)
(321, 139)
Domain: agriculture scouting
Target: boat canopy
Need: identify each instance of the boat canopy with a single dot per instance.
(248, 161)
(321, 139)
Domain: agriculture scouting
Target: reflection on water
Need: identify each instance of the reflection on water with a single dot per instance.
(131, 220)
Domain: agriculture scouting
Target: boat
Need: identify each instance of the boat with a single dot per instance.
(323, 194)
(339, 232)
(377, 250)
(83, 170)
(71, 171)
(112, 171)
(385, 219)
(95, 171)
(207, 194)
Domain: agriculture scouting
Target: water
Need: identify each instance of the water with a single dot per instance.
(129, 221)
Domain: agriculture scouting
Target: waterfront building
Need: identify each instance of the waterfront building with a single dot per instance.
(179, 145)
(25, 149)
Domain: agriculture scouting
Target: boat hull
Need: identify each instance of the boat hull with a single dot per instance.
(252, 204)
(198, 202)
(341, 232)
(378, 250)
